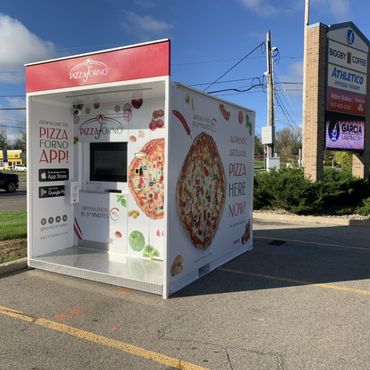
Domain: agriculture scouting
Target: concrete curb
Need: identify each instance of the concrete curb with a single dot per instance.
(12, 266)
(310, 219)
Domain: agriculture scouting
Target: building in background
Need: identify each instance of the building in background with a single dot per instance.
(336, 106)
(10, 158)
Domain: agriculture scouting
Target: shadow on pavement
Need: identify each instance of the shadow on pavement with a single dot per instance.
(307, 254)
(15, 194)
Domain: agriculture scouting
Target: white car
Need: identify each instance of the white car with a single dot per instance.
(20, 167)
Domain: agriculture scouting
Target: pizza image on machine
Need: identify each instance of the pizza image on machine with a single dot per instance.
(200, 191)
(146, 175)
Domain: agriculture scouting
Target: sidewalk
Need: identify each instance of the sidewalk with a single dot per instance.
(325, 220)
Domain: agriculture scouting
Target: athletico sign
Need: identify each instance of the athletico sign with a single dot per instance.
(142, 61)
(346, 79)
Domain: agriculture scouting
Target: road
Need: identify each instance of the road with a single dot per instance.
(299, 300)
(17, 200)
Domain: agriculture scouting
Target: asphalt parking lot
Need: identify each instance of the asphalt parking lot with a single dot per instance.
(299, 300)
(17, 200)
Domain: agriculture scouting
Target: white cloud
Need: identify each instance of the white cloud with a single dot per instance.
(12, 123)
(12, 136)
(340, 9)
(261, 7)
(16, 102)
(11, 77)
(18, 45)
(295, 73)
(145, 26)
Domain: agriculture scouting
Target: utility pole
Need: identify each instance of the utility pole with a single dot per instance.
(306, 13)
(270, 95)
(306, 23)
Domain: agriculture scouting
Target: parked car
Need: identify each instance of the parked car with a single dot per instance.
(9, 182)
(20, 167)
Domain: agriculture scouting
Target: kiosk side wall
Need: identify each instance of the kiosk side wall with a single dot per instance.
(210, 184)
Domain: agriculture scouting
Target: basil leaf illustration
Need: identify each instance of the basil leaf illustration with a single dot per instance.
(122, 200)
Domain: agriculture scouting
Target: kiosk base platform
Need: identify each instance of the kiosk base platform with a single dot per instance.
(92, 264)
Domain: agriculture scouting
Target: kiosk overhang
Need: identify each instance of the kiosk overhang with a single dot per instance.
(124, 64)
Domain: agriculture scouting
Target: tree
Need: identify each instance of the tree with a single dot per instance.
(329, 157)
(258, 147)
(3, 141)
(21, 142)
(344, 159)
(286, 140)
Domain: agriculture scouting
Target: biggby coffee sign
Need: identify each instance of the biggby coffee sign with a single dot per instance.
(347, 57)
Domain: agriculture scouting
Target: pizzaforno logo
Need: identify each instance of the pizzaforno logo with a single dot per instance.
(88, 69)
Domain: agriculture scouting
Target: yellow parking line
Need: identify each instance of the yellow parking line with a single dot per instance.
(316, 244)
(104, 341)
(300, 282)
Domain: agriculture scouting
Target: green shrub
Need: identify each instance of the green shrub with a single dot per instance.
(262, 194)
(287, 189)
(339, 190)
(364, 209)
(337, 193)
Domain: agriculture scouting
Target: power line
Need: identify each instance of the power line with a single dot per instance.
(13, 72)
(12, 96)
(286, 96)
(21, 108)
(226, 60)
(237, 89)
(231, 68)
(289, 90)
(225, 81)
(283, 109)
(289, 83)
(6, 120)
(286, 114)
(247, 92)
(10, 126)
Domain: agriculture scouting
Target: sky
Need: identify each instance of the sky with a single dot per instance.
(207, 38)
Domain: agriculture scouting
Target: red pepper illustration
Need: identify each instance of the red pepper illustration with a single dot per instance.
(182, 119)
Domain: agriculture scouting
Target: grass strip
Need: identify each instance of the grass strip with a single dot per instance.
(13, 225)
(20, 254)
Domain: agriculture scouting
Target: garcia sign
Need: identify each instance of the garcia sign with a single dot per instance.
(344, 132)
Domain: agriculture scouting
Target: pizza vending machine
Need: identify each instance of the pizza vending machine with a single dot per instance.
(134, 180)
